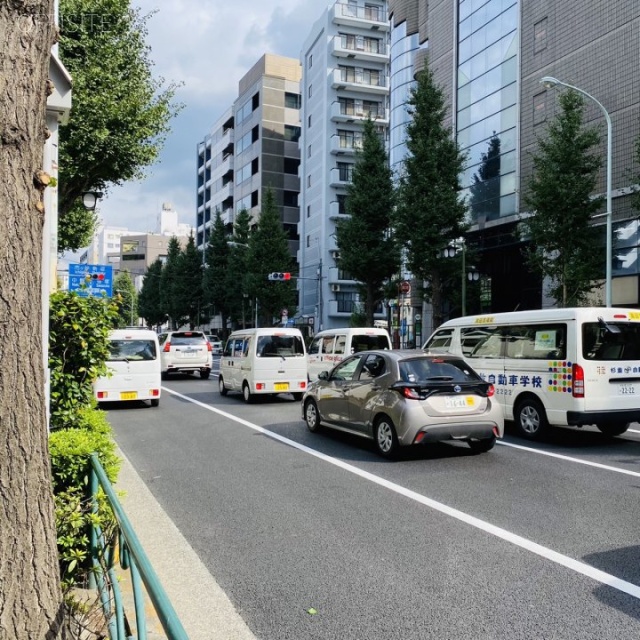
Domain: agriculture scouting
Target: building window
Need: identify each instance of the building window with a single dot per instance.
(255, 101)
(540, 36)
(346, 301)
(308, 241)
(291, 166)
(292, 100)
(342, 206)
(308, 211)
(291, 133)
(309, 151)
(290, 198)
(309, 180)
(540, 108)
(309, 121)
(310, 90)
(310, 61)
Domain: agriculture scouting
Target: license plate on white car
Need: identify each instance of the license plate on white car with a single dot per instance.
(459, 402)
(626, 389)
(281, 386)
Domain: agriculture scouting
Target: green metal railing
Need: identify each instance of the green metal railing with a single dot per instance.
(126, 548)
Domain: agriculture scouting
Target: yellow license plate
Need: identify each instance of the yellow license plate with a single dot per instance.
(128, 395)
(281, 386)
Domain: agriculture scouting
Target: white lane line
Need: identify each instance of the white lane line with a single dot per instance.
(588, 463)
(565, 561)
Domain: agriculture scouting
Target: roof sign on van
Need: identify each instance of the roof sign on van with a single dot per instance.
(485, 320)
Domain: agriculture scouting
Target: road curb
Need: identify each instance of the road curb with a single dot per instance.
(203, 608)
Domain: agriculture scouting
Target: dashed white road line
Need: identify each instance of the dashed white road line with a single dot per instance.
(544, 552)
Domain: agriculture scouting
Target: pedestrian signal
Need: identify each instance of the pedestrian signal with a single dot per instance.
(278, 275)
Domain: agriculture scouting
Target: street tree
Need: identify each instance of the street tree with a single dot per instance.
(149, 304)
(189, 292)
(121, 113)
(169, 284)
(564, 246)
(237, 273)
(215, 295)
(126, 298)
(269, 252)
(31, 602)
(430, 212)
(368, 250)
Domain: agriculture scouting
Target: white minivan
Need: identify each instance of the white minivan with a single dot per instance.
(331, 346)
(565, 367)
(264, 361)
(134, 368)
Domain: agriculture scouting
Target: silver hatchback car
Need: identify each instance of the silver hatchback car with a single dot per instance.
(402, 398)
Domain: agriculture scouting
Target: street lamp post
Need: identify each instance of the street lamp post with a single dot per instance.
(548, 82)
(473, 276)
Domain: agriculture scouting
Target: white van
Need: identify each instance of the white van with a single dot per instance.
(554, 366)
(264, 361)
(331, 346)
(134, 365)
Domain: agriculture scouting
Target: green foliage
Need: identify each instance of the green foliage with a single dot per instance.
(564, 245)
(70, 450)
(126, 299)
(188, 293)
(268, 252)
(214, 282)
(77, 228)
(368, 250)
(78, 349)
(149, 303)
(169, 284)
(237, 273)
(120, 114)
(430, 213)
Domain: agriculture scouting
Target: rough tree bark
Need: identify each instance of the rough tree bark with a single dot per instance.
(30, 597)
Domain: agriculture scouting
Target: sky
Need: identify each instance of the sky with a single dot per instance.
(207, 45)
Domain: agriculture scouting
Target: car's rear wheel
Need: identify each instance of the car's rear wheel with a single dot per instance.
(531, 419)
(246, 393)
(386, 439)
(221, 388)
(312, 415)
(155, 402)
(164, 375)
(613, 428)
(482, 446)
(205, 373)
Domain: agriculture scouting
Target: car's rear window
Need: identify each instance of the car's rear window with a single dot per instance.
(127, 350)
(280, 345)
(187, 338)
(426, 369)
(369, 342)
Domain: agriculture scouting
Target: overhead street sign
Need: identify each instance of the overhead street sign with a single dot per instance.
(91, 280)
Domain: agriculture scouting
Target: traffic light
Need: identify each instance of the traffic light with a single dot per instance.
(278, 275)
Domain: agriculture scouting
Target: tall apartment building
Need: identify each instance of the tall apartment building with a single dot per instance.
(253, 146)
(489, 57)
(345, 79)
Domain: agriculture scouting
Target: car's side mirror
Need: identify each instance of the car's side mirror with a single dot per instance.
(323, 375)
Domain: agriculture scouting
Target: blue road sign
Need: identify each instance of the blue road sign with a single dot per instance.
(91, 279)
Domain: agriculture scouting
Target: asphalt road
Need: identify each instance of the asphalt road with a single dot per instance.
(315, 536)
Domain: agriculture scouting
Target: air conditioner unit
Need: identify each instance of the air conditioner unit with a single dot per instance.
(334, 253)
(335, 287)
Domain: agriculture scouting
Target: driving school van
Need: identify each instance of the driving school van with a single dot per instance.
(264, 361)
(558, 367)
(134, 368)
(331, 346)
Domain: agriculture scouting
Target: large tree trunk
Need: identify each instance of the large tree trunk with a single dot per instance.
(30, 597)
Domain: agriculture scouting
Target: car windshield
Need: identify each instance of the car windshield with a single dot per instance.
(126, 350)
(280, 346)
(433, 369)
(187, 338)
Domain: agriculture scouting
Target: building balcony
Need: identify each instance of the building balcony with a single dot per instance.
(356, 49)
(341, 112)
(373, 18)
(341, 176)
(334, 211)
(225, 192)
(360, 81)
(344, 146)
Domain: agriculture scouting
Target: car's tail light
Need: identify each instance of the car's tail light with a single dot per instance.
(491, 391)
(577, 375)
(302, 385)
(411, 393)
(167, 347)
(154, 393)
(260, 386)
(209, 346)
(102, 395)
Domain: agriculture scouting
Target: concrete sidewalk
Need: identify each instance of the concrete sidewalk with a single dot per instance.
(202, 607)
